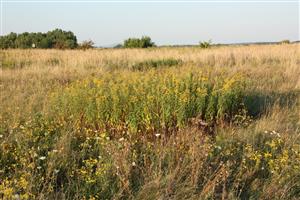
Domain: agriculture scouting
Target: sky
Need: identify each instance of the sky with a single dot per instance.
(167, 23)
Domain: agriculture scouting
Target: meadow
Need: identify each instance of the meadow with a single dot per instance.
(155, 123)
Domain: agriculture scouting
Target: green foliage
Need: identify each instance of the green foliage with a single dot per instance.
(144, 42)
(154, 64)
(8, 41)
(53, 39)
(285, 42)
(151, 102)
(205, 44)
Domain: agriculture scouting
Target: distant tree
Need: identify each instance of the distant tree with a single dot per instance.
(24, 41)
(8, 41)
(205, 44)
(144, 42)
(62, 39)
(118, 46)
(45, 43)
(285, 42)
(87, 44)
(52, 39)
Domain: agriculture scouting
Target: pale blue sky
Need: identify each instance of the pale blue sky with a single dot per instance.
(166, 23)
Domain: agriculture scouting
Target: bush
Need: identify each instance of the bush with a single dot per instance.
(205, 44)
(87, 44)
(285, 42)
(144, 42)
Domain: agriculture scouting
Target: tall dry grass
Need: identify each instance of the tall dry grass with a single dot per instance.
(54, 145)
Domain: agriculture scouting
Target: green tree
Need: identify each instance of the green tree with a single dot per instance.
(23, 41)
(62, 39)
(144, 42)
(8, 41)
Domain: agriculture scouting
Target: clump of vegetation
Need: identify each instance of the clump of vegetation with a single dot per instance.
(57, 38)
(150, 103)
(285, 42)
(143, 42)
(154, 64)
(88, 44)
(205, 44)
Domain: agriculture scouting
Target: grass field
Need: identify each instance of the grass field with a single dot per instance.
(157, 123)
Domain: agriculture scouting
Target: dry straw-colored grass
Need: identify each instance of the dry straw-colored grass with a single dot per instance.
(55, 145)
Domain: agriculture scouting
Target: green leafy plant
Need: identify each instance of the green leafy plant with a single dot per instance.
(205, 44)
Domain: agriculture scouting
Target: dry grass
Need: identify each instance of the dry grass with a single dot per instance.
(53, 144)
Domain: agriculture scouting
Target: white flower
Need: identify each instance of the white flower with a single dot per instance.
(1, 136)
(56, 171)
(55, 150)
(133, 164)
(97, 138)
(39, 167)
(16, 196)
(157, 135)
(121, 139)
(42, 158)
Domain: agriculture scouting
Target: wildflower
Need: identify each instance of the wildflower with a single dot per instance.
(39, 167)
(133, 163)
(157, 135)
(16, 196)
(1, 136)
(278, 134)
(267, 155)
(42, 158)
(54, 150)
(218, 147)
(97, 138)
(56, 171)
(121, 139)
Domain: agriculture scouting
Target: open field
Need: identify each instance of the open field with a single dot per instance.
(157, 123)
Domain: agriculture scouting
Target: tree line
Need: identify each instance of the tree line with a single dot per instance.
(57, 38)
(60, 39)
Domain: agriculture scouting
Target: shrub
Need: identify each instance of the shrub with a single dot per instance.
(144, 42)
(87, 44)
(285, 42)
(205, 44)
